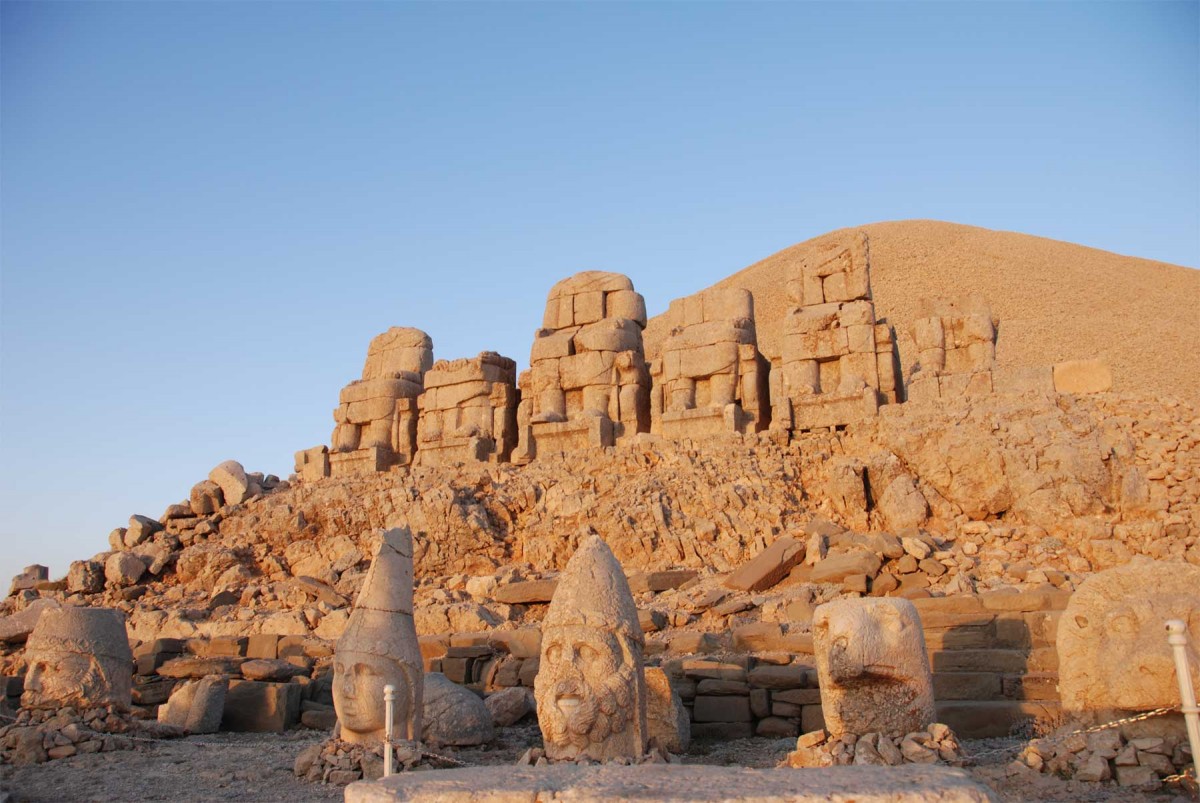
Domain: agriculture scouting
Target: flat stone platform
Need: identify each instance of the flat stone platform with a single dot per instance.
(674, 782)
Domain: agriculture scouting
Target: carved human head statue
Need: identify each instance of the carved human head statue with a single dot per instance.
(379, 648)
(872, 667)
(79, 657)
(1113, 654)
(590, 688)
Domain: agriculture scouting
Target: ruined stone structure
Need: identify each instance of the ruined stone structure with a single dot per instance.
(1112, 650)
(468, 411)
(956, 347)
(377, 415)
(590, 688)
(79, 657)
(710, 377)
(838, 363)
(379, 647)
(872, 667)
(587, 383)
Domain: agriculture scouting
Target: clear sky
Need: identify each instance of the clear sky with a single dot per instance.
(208, 209)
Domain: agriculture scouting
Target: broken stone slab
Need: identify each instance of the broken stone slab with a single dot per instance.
(124, 569)
(836, 568)
(526, 592)
(642, 582)
(675, 783)
(195, 667)
(272, 669)
(15, 629)
(769, 566)
(140, 530)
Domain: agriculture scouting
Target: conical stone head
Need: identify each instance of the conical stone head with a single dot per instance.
(590, 687)
(379, 647)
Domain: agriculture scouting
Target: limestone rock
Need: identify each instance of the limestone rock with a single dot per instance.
(454, 715)
(769, 566)
(123, 569)
(196, 706)
(509, 706)
(1082, 376)
(140, 530)
(271, 669)
(668, 724)
(16, 628)
(85, 577)
(231, 478)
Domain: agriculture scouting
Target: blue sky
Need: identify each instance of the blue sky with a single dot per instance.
(208, 209)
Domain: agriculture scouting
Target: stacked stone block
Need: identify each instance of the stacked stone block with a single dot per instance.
(710, 377)
(956, 350)
(587, 384)
(838, 361)
(377, 415)
(468, 411)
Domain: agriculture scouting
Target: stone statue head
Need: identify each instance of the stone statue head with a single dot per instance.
(590, 689)
(78, 657)
(872, 667)
(1113, 654)
(379, 648)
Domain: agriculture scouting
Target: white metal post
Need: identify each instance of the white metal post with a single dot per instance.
(389, 714)
(1178, 639)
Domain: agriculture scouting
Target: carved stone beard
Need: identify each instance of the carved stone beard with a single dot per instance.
(603, 710)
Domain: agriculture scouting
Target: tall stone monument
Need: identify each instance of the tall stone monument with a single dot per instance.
(587, 385)
(590, 688)
(872, 667)
(468, 411)
(79, 657)
(379, 647)
(377, 415)
(1113, 655)
(710, 377)
(955, 341)
(838, 363)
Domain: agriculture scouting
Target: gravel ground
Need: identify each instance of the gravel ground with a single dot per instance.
(258, 767)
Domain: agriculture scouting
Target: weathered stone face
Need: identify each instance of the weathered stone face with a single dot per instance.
(1112, 648)
(872, 667)
(379, 648)
(590, 690)
(358, 694)
(79, 657)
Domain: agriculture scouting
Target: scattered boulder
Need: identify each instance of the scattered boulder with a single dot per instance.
(231, 477)
(509, 706)
(769, 566)
(124, 569)
(86, 577)
(454, 715)
(140, 530)
(15, 629)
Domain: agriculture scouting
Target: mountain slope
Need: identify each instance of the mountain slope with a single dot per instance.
(1056, 301)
